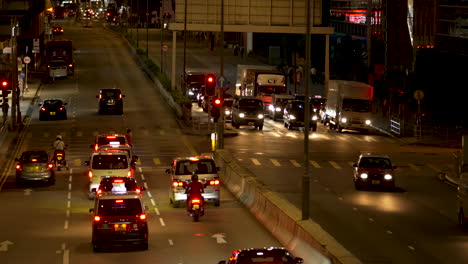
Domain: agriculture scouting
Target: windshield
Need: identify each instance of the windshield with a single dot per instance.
(35, 156)
(356, 105)
(119, 207)
(203, 166)
(52, 103)
(382, 163)
(251, 103)
(103, 162)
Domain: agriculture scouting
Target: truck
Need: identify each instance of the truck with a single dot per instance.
(349, 105)
(262, 81)
(60, 50)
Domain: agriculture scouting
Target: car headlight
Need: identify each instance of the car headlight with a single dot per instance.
(271, 108)
(368, 122)
(344, 120)
(314, 118)
(363, 176)
(387, 177)
(227, 112)
(190, 93)
(260, 116)
(241, 115)
(292, 117)
(278, 109)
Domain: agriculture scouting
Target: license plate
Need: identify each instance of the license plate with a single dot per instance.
(110, 102)
(33, 169)
(375, 182)
(196, 206)
(251, 123)
(120, 227)
(52, 113)
(59, 157)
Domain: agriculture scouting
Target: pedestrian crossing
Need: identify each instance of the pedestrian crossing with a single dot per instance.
(332, 164)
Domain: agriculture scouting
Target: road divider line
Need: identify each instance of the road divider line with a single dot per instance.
(142, 177)
(156, 161)
(65, 226)
(275, 162)
(66, 256)
(170, 242)
(146, 185)
(335, 165)
(156, 211)
(68, 213)
(295, 163)
(414, 167)
(315, 164)
(140, 169)
(153, 202)
(149, 194)
(162, 222)
(68, 204)
(69, 186)
(255, 161)
(70, 178)
(69, 195)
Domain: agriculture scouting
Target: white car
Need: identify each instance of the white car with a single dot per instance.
(58, 69)
(107, 163)
(181, 173)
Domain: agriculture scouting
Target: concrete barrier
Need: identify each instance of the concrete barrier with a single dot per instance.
(304, 238)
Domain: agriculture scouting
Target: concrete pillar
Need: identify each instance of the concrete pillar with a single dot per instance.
(173, 71)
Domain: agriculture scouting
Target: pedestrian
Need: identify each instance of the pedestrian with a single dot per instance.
(235, 49)
(128, 137)
(313, 74)
(5, 107)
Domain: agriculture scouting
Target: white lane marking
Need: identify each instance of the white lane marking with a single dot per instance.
(335, 165)
(27, 192)
(68, 204)
(156, 210)
(153, 202)
(68, 213)
(414, 167)
(295, 163)
(243, 133)
(170, 242)
(354, 209)
(162, 222)
(291, 135)
(276, 134)
(275, 162)
(71, 172)
(140, 169)
(315, 164)
(142, 177)
(66, 256)
(371, 219)
(340, 198)
(69, 196)
(64, 246)
(146, 185)
(389, 232)
(149, 194)
(411, 247)
(65, 226)
(69, 187)
(70, 178)
(255, 161)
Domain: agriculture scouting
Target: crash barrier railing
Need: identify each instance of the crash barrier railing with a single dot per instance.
(452, 173)
(395, 125)
(202, 124)
(304, 238)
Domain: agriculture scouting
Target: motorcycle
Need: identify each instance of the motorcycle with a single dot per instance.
(59, 159)
(195, 208)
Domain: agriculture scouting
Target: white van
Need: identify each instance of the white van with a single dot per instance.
(108, 163)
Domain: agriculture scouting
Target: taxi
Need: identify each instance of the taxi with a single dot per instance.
(374, 170)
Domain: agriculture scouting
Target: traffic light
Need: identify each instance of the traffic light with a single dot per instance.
(215, 110)
(5, 84)
(210, 84)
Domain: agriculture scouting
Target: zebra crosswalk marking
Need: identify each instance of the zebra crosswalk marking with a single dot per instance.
(156, 161)
(255, 161)
(77, 162)
(138, 162)
(414, 167)
(335, 165)
(275, 162)
(315, 164)
(295, 163)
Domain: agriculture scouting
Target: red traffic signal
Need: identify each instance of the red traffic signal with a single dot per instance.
(210, 84)
(5, 84)
(217, 102)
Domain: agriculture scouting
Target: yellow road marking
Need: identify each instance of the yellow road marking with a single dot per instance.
(255, 161)
(335, 165)
(156, 161)
(315, 164)
(295, 163)
(275, 162)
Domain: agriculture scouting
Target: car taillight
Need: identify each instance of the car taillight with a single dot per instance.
(138, 190)
(99, 191)
(50, 165)
(118, 181)
(18, 166)
(100, 96)
(142, 217)
(195, 201)
(120, 96)
(214, 182)
(129, 173)
(43, 109)
(177, 184)
(96, 147)
(70, 65)
(97, 218)
(61, 109)
(90, 174)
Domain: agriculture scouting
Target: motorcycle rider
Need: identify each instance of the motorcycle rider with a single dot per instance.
(194, 190)
(59, 147)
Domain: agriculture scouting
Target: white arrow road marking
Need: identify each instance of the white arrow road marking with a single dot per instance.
(27, 192)
(4, 245)
(219, 238)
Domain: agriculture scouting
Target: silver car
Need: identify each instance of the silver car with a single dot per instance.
(34, 166)
(58, 69)
(181, 173)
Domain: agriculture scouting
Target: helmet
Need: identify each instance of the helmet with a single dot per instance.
(59, 137)
(195, 177)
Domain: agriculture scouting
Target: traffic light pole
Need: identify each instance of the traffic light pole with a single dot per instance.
(221, 121)
(14, 77)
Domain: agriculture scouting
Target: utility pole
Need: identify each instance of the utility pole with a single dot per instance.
(221, 121)
(185, 48)
(14, 77)
(161, 22)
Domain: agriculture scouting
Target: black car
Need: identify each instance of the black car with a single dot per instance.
(228, 109)
(53, 110)
(119, 185)
(294, 115)
(57, 31)
(34, 166)
(110, 100)
(247, 111)
(276, 255)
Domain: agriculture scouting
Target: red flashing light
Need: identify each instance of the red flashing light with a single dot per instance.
(97, 218)
(118, 201)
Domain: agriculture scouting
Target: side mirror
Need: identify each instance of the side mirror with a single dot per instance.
(298, 260)
(93, 190)
(91, 210)
(86, 163)
(168, 171)
(222, 262)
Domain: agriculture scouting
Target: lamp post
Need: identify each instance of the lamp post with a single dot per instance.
(161, 22)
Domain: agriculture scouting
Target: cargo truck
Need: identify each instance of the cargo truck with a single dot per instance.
(261, 81)
(349, 105)
(61, 50)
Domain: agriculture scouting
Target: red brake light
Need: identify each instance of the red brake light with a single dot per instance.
(118, 181)
(216, 182)
(99, 191)
(96, 147)
(43, 109)
(90, 174)
(97, 218)
(4, 83)
(142, 216)
(50, 166)
(61, 108)
(100, 96)
(33, 160)
(120, 96)
(118, 201)
(18, 167)
(195, 201)
(138, 190)
(111, 137)
(181, 184)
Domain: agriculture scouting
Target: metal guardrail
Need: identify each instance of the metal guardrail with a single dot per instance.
(349, 28)
(395, 125)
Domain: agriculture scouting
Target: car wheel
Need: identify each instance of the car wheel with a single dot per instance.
(96, 248)
(357, 187)
(144, 246)
(461, 218)
(217, 202)
(260, 127)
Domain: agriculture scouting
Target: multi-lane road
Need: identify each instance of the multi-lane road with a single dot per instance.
(51, 224)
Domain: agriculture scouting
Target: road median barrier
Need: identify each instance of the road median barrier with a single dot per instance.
(304, 238)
